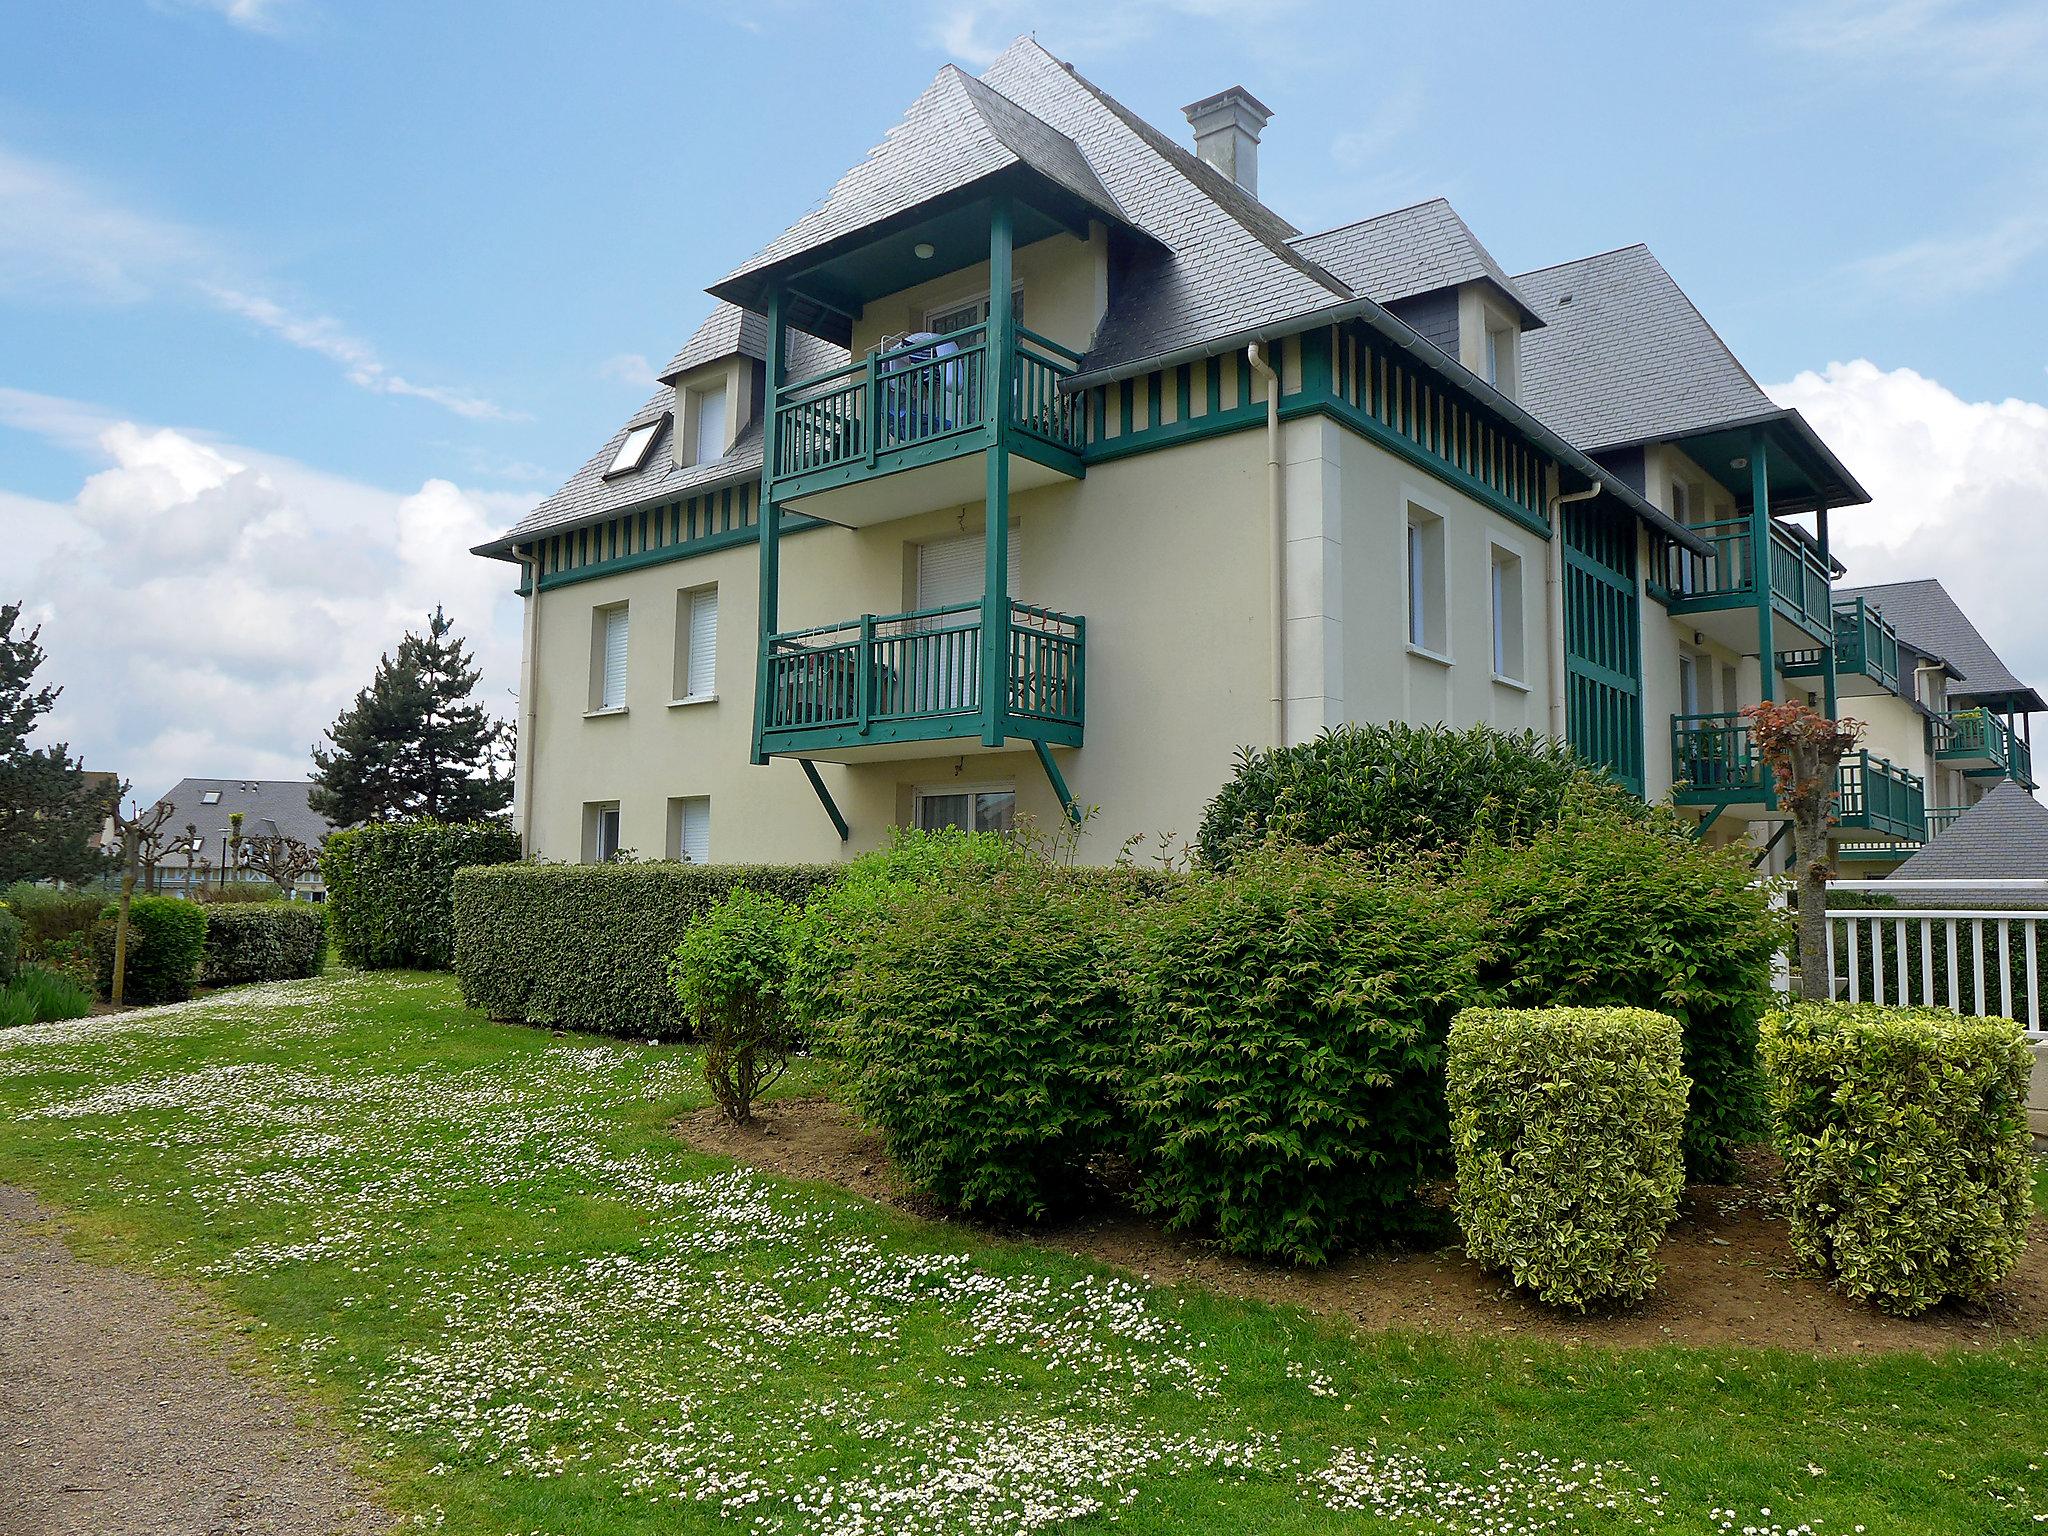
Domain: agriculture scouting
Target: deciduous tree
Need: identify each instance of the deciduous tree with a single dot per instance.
(1803, 749)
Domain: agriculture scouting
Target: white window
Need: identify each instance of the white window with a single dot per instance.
(1427, 628)
(1500, 359)
(708, 406)
(1507, 614)
(600, 832)
(958, 316)
(1689, 684)
(633, 451)
(950, 571)
(696, 676)
(971, 808)
(689, 829)
(608, 657)
(211, 797)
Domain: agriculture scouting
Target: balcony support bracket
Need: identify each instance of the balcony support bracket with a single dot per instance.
(825, 797)
(1057, 780)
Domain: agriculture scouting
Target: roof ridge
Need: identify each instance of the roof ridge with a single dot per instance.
(1579, 261)
(1385, 213)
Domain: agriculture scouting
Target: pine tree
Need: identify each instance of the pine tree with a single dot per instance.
(49, 811)
(414, 743)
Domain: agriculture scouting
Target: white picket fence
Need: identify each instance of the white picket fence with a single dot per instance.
(1961, 946)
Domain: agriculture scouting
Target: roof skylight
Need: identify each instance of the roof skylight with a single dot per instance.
(211, 797)
(633, 451)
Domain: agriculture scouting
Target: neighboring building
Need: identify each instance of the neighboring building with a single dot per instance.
(2003, 835)
(107, 785)
(201, 824)
(1041, 466)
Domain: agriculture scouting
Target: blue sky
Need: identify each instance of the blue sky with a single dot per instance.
(295, 294)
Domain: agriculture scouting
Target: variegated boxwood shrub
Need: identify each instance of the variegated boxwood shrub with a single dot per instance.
(1286, 1038)
(1904, 1131)
(263, 941)
(980, 1025)
(1567, 1125)
(587, 946)
(166, 943)
(1413, 788)
(390, 888)
(1605, 910)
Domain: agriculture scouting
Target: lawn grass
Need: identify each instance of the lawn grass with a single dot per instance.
(538, 1312)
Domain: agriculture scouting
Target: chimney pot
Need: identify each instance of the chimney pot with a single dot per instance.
(1227, 128)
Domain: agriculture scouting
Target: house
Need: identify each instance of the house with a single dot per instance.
(2003, 835)
(1937, 700)
(199, 832)
(1040, 466)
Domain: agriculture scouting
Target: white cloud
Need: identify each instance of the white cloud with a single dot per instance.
(210, 608)
(1959, 41)
(250, 15)
(1947, 267)
(975, 31)
(1959, 491)
(628, 368)
(63, 239)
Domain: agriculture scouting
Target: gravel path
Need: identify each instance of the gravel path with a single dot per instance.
(119, 1414)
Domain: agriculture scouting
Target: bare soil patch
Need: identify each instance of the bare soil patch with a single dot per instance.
(1729, 1279)
(121, 1411)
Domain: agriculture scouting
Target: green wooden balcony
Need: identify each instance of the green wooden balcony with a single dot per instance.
(1866, 653)
(841, 691)
(1982, 745)
(1715, 588)
(916, 406)
(1715, 764)
(1875, 795)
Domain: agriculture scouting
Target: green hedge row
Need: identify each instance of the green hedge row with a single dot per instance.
(10, 945)
(263, 941)
(390, 888)
(1907, 1155)
(587, 946)
(166, 944)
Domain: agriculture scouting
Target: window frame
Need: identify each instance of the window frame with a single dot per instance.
(595, 815)
(598, 701)
(920, 793)
(678, 824)
(1510, 662)
(980, 301)
(680, 691)
(1425, 585)
(623, 466)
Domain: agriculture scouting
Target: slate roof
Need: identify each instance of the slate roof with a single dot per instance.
(1397, 255)
(728, 331)
(269, 807)
(1624, 357)
(2004, 836)
(1931, 622)
(959, 132)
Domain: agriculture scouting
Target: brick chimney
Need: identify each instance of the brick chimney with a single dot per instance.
(1227, 128)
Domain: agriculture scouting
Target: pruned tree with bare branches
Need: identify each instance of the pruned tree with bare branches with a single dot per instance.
(1804, 750)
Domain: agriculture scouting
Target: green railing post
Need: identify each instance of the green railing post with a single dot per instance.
(864, 675)
(1760, 558)
(769, 612)
(1000, 350)
(1828, 650)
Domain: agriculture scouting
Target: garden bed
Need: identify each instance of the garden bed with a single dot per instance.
(1729, 1278)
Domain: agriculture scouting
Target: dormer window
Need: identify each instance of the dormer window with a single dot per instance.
(211, 797)
(1500, 358)
(633, 451)
(710, 414)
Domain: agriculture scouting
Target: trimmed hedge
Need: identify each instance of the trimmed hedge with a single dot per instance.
(49, 915)
(1287, 1033)
(10, 945)
(1904, 1131)
(1607, 911)
(587, 946)
(1414, 788)
(166, 943)
(389, 888)
(977, 1034)
(263, 941)
(1567, 1125)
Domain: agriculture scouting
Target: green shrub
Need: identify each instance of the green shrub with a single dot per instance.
(17, 1008)
(10, 945)
(1568, 1126)
(1287, 1026)
(48, 914)
(263, 941)
(978, 1014)
(1616, 911)
(839, 917)
(1904, 1130)
(51, 995)
(389, 888)
(586, 946)
(1423, 788)
(166, 942)
(731, 971)
(239, 893)
(73, 959)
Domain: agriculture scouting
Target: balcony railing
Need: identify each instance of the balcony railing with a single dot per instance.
(1873, 794)
(916, 404)
(1864, 644)
(1941, 817)
(1799, 577)
(1979, 743)
(917, 677)
(1714, 760)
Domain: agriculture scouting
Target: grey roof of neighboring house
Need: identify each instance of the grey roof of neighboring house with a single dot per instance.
(2004, 836)
(958, 132)
(728, 331)
(269, 807)
(1932, 622)
(1624, 357)
(1397, 255)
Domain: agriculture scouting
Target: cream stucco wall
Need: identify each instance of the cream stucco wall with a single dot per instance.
(1065, 283)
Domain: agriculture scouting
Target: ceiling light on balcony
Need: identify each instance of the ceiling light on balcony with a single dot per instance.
(1738, 463)
(924, 250)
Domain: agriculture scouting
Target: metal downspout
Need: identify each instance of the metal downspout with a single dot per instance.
(1276, 538)
(527, 746)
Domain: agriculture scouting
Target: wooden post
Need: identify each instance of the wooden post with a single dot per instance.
(131, 855)
(1760, 563)
(1827, 651)
(771, 516)
(1001, 343)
